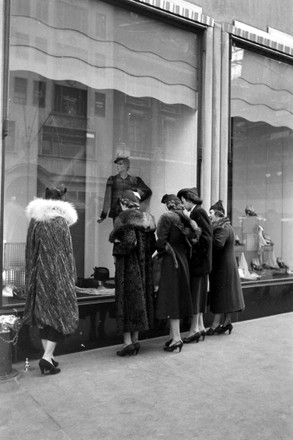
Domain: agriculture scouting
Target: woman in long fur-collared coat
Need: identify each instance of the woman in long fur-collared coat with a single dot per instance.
(50, 273)
(134, 243)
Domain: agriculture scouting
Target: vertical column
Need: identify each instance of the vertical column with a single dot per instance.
(225, 115)
(216, 115)
(207, 118)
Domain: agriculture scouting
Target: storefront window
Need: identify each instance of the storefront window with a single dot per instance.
(89, 81)
(262, 157)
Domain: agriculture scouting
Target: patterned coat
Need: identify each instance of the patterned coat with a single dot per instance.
(50, 267)
(225, 289)
(134, 243)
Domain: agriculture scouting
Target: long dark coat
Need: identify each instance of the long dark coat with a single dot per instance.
(50, 269)
(225, 288)
(174, 299)
(134, 243)
(201, 261)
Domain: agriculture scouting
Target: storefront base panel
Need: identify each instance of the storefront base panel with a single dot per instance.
(97, 325)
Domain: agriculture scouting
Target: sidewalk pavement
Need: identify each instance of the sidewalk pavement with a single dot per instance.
(229, 387)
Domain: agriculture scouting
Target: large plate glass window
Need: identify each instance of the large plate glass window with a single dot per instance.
(88, 81)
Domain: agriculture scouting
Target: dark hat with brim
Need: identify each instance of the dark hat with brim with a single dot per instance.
(169, 197)
(190, 194)
(130, 195)
(218, 206)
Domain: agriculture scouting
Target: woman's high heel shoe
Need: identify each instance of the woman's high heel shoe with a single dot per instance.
(55, 363)
(173, 347)
(226, 327)
(136, 346)
(203, 334)
(192, 338)
(47, 367)
(128, 350)
(168, 343)
(211, 331)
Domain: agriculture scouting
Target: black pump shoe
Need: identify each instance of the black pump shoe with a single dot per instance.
(173, 347)
(192, 338)
(211, 331)
(128, 350)
(47, 367)
(136, 346)
(168, 343)
(226, 327)
(55, 363)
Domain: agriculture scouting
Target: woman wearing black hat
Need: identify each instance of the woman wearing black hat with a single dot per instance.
(226, 294)
(134, 243)
(51, 303)
(200, 264)
(174, 300)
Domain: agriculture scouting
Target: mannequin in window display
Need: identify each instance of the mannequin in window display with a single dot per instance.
(119, 183)
(226, 294)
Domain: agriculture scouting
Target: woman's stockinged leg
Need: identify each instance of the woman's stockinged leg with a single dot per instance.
(216, 320)
(227, 319)
(175, 330)
(127, 338)
(49, 351)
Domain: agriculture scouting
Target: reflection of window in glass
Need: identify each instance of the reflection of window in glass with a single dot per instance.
(10, 139)
(20, 90)
(39, 97)
(100, 104)
(70, 101)
(62, 142)
(138, 132)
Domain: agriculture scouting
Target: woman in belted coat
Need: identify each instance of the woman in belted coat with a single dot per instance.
(226, 294)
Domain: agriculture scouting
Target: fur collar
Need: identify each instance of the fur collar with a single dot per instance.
(43, 210)
(135, 218)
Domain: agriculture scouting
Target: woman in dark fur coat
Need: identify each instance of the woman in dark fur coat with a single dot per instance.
(50, 273)
(175, 233)
(134, 243)
(226, 294)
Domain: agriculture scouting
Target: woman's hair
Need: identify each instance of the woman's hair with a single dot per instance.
(55, 193)
(173, 205)
(218, 213)
(129, 203)
(129, 199)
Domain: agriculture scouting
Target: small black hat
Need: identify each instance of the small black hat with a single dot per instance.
(55, 193)
(131, 196)
(218, 206)
(168, 197)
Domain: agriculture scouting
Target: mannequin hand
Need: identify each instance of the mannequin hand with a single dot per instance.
(100, 220)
